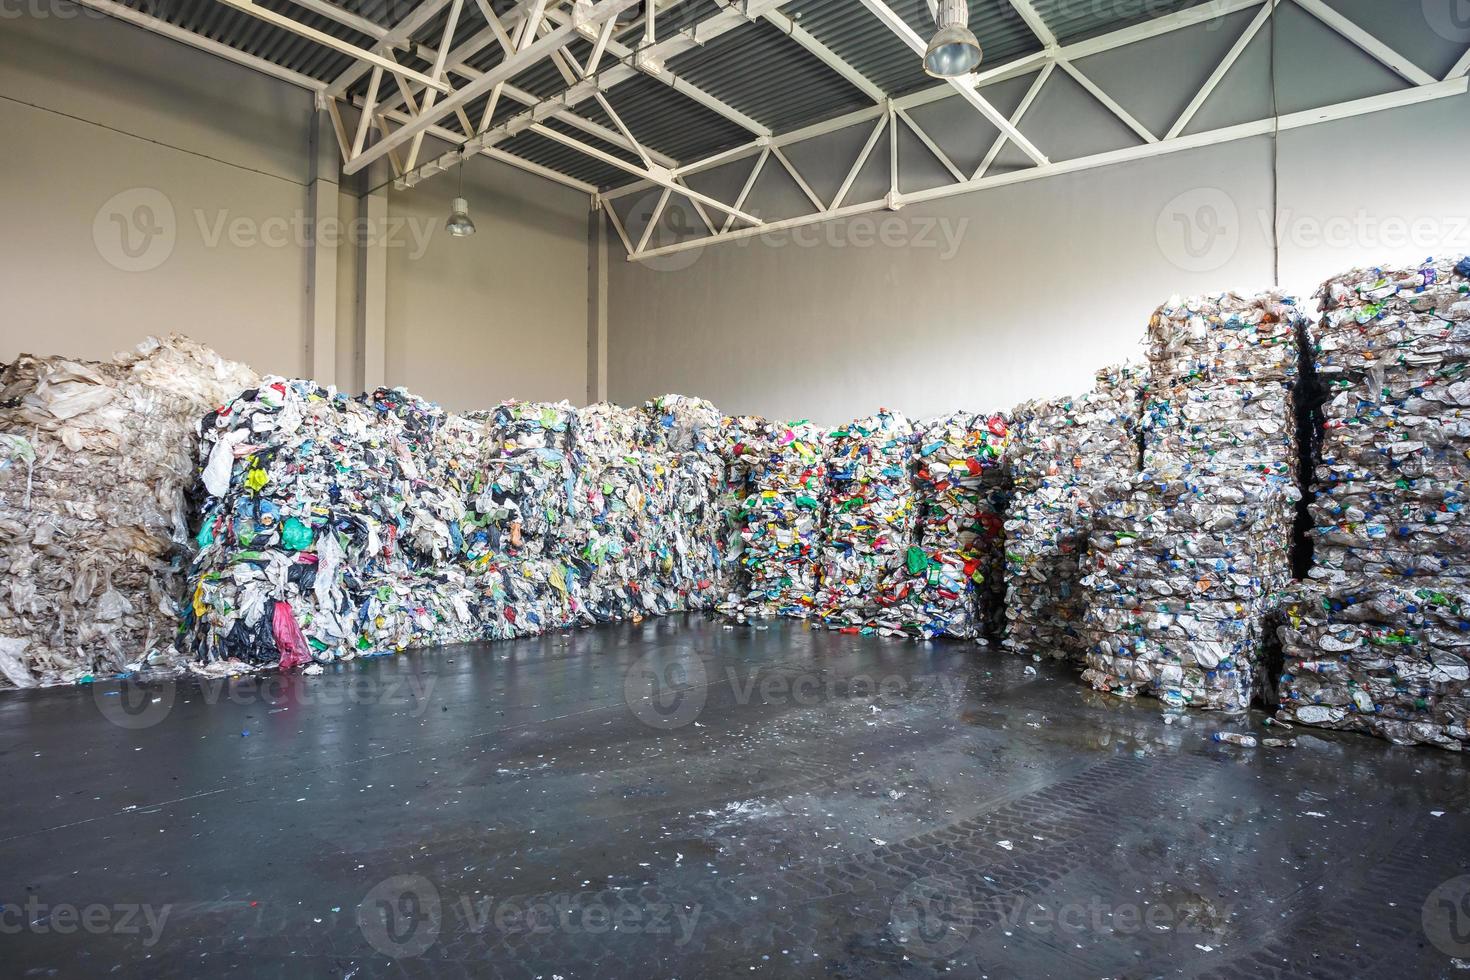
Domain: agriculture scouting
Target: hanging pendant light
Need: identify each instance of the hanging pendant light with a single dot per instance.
(459, 224)
(953, 50)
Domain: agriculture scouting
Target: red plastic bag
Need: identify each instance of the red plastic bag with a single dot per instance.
(289, 638)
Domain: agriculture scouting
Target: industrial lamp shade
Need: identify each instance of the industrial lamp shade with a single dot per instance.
(953, 50)
(459, 224)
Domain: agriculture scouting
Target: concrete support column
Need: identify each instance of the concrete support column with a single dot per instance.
(321, 252)
(596, 305)
(372, 287)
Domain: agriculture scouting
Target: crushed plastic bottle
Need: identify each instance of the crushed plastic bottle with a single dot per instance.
(1377, 640)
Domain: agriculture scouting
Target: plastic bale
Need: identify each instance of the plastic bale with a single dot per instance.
(1374, 640)
(942, 586)
(290, 452)
(1189, 559)
(1064, 451)
(96, 480)
(870, 516)
(781, 523)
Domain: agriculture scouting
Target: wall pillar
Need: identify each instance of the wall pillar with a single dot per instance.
(321, 251)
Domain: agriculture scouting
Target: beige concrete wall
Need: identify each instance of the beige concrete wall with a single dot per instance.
(152, 188)
(125, 168)
(501, 314)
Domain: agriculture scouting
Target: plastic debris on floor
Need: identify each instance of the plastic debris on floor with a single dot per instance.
(781, 522)
(870, 516)
(1188, 559)
(1377, 640)
(96, 461)
(951, 573)
(1065, 451)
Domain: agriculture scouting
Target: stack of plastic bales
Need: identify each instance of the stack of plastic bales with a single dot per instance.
(96, 467)
(1064, 451)
(619, 483)
(524, 538)
(870, 516)
(1378, 639)
(1189, 559)
(736, 446)
(688, 539)
(949, 573)
(781, 522)
(300, 551)
(435, 450)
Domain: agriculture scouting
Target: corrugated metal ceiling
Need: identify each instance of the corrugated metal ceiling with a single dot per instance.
(755, 68)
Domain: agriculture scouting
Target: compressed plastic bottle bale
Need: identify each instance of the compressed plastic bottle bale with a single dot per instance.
(1187, 561)
(1374, 641)
(681, 424)
(96, 466)
(1180, 580)
(781, 521)
(294, 451)
(870, 515)
(960, 530)
(687, 535)
(1064, 451)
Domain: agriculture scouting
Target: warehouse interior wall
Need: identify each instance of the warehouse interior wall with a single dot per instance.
(500, 314)
(139, 177)
(152, 188)
(1024, 290)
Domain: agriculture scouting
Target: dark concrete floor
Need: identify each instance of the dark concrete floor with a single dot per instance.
(799, 804)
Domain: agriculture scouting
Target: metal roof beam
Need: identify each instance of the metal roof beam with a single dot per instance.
(1035, 22)
(697, 35)
(826, 55)
(396, 35)
(449, 136)
(527, 56)
(1017, 67)
(964, 85)
(681, 85)
(1261, 127)
(327, 41)
(490, 35)
(176, 33)
(1372, 45)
